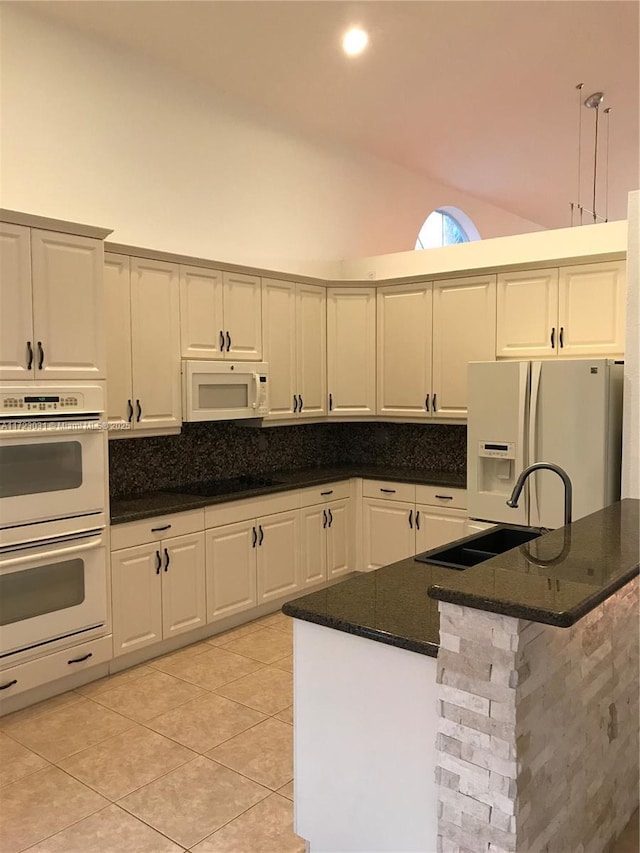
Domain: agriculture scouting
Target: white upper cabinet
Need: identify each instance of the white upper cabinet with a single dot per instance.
(279, 319)
(201, 317)
(243, 316)
(16, 311)
(311, 349)
(351, 350)
(68, 306)
(567, 312)
(404, 317)
(143, 343)
(220, 314)
(155, 344)
(117, 299)
(294, 317)
(527, 314)
(427, 335)
(52, 305)
(464, 330)
(591, 309)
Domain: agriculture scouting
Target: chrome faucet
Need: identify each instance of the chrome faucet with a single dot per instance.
(549, 466)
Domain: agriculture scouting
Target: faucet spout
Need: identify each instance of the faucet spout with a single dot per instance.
(548, 466)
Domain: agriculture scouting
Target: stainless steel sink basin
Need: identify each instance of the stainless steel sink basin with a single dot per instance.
(479, 547)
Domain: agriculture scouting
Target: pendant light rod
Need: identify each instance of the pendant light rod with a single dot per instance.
(593, 103)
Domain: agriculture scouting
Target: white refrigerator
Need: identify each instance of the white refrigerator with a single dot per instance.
(564, 411)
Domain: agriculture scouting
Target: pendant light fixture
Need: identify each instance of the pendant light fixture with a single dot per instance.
(592, 102)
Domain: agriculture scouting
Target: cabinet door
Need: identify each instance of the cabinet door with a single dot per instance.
(68, 306)
(201, 317)
(313, 521)
(136, 593)
(278, 554)
(155, 344)
(311, 348)
(184, 605)
(592, 309)
(16, 309)
(435, 528)
(231, 569)
(351, 350)
(404, 349)
(339, 539)
(117, 299)
(279, 319)
(464, 330)
(388, 531)
(243, 316)
(527, 314)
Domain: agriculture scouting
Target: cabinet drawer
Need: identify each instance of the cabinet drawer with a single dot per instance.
(441, 496)
(389, 491)
(245, 510)
(58, 665)
(155, 529)
(324, 493)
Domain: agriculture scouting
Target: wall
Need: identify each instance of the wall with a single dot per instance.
(538, 730)
(631, 427)
(94, 134)
(227, 449)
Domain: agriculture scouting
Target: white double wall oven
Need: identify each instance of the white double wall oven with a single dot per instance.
(53, 500)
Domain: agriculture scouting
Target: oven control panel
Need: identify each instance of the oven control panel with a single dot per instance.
(41, 403)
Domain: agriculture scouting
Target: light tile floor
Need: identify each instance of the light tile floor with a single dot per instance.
(190, 751)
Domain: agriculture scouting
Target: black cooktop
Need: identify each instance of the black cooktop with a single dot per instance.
(210, 488)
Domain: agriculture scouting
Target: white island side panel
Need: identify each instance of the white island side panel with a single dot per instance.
(365, 726)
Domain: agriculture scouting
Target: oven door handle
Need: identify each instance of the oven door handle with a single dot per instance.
(49, 553)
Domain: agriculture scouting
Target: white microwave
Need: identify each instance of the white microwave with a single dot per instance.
(224, 390)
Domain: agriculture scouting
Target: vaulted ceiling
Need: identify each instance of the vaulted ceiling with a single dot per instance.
(478, 94)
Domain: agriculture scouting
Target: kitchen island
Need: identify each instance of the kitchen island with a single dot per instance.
(492, 709)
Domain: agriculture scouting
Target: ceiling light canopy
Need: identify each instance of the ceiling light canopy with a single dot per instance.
(354, 41)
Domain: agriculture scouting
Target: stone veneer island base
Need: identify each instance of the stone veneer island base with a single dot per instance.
(459, 725)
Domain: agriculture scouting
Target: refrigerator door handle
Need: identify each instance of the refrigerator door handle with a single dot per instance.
(534, 507)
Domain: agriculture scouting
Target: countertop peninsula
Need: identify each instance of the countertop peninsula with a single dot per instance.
(149, 504)
(554, 580)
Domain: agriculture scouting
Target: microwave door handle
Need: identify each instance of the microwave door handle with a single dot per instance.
(49, 553)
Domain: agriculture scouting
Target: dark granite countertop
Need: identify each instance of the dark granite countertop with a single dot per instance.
(150, 504)
(587, 562)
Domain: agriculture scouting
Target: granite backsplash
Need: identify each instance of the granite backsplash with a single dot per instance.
(226, 449)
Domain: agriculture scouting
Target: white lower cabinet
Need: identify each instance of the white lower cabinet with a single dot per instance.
(438, 527)
(158, 591)
(400, 520)
(231, 569)
(327, 542)
(388, 532)
(278, 555)
(251, 562)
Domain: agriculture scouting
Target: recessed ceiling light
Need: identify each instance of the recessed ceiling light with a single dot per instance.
(354, 41)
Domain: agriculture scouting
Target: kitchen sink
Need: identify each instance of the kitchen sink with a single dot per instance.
(480, 547)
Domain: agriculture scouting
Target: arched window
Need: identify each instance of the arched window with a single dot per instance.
(444, 227)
